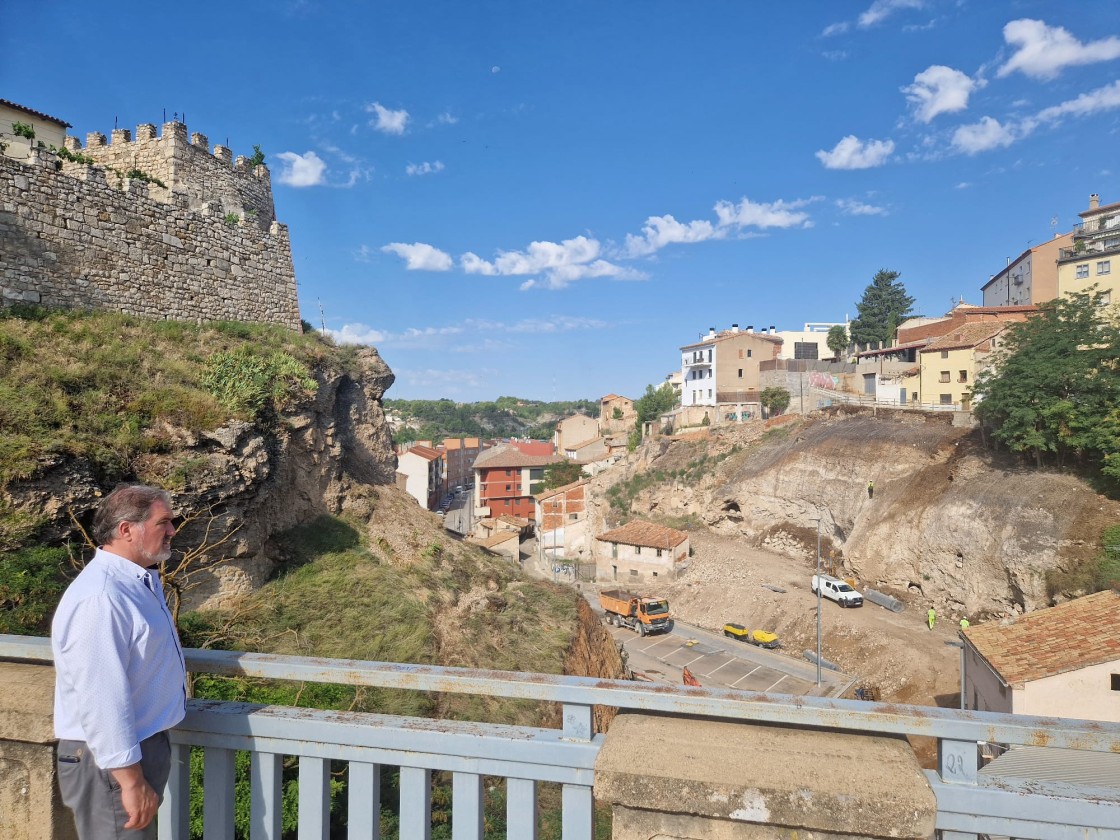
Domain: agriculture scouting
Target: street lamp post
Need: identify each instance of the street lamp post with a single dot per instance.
(818, 602)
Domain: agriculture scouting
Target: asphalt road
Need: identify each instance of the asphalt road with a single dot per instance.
(727, 663)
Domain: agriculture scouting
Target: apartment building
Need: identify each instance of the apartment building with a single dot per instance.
(458, 455)
(506, 480)
(722, 367)
(950, 364)
(573, 430)
(1096, 247)
(1031, 278)
(420, 474)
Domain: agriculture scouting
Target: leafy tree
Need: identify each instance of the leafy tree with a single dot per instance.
(616, 414)
(557, 475)
(884, 306)
(774, 400)
(837, 340)
(1056, 389)
(654, 403)
(31, 582)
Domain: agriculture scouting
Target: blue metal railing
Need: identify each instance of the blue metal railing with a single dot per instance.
(968, 804)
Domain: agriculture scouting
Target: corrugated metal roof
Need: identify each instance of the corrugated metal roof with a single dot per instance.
(1093, 773)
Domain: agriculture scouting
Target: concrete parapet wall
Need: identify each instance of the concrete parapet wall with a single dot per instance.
(79, 237)
(677, 777)
(30, 806)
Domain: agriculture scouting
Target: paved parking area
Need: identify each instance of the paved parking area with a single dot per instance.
(726, 663)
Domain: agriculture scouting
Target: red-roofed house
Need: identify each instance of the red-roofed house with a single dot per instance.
(639, 551)
(1063, 661)
(948, 366)
(420, 474)
(506, 479)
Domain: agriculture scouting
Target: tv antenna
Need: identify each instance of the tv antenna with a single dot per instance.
(322, 317)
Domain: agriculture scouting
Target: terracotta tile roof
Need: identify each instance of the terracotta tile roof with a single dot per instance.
(1052, 641)
(425, 452)
(35, 113)
(556, 491)
(609, 397)
(966, 335)
(583, 443)
(886, 351)
(508, 457)
(639, 532)
(497, 539)
(726, 334)
(516, 521)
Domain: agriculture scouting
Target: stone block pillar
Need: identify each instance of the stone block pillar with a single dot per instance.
(30, 806)
(678, 778)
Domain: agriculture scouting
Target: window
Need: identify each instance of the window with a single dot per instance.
(1105, 299)
(709, 393)
(1104, 267)
(1115, 682)
(633, 573)
(913, 396)
(740, 373)
(944, 376)
(946, 399)
(749, 352)
(805, 350)
(962, 376)
(944, 354)
(740, 352)
(659, 552)
(573, 516)
(637, 549)
(508, 488)
(1083, 271)
(655, 574)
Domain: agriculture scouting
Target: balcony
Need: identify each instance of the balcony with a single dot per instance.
(834, 739)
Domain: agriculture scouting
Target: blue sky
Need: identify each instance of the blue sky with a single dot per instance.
(509, 197)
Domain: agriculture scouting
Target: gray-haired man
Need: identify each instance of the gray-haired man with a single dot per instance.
(120, 677)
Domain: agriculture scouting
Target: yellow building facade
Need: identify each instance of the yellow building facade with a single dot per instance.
(950, 365)
(1094, 259)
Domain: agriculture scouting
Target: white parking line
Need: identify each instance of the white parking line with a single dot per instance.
(756, 667)
(701, 656)
(782, 677)
(728, 662)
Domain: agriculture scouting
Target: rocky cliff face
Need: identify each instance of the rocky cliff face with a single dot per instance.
(242, 484)
(948, 521)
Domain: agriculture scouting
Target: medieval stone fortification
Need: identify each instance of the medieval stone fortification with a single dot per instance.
(203, 246)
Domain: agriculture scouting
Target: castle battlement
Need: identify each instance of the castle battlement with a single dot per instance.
(187, 166)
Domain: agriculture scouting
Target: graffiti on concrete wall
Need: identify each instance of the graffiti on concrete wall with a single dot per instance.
(824, 380)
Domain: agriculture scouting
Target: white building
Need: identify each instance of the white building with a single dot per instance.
(1063, 661)
(420, 474)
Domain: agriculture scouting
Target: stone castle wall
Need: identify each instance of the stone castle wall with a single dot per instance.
(89, 237)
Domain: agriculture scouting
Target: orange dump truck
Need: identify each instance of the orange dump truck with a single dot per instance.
(640, 613)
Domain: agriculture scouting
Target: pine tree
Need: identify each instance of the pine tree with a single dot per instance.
(884, 306)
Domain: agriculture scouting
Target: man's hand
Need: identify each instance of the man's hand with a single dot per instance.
(139, 799)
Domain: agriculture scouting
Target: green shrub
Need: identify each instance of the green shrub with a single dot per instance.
(250, 384)
(31, 582)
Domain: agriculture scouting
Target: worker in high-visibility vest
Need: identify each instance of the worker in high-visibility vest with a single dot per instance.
(931, 617)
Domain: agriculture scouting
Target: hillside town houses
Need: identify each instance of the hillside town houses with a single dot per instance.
(932, 363)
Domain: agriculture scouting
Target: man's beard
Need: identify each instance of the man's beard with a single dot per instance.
(150, 558)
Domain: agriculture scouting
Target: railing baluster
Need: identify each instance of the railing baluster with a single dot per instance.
(416, 803)
(364, 793)
(521, 809)
(175, 811)
(314, 798)
(217, 793)
(958, 762)
(266, 796)
(466, 806)
(579, 811)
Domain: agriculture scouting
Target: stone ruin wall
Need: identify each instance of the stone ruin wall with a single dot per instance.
(89, 237)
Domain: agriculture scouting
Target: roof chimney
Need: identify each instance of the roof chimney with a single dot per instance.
(711, 332)
(734, 328)
(750, 328)
(1094, 201)
(773, 329)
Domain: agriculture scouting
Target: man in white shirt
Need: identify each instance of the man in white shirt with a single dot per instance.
(120, 679)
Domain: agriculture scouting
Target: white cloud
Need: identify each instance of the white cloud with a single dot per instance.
(762, 215)
(306, 170)
(987, 134)
(387, 121)
(659, 231)
(1102, 99)
(853, 153)
(1044, 51)
(447, 118)
(880, 10)
(560, 263)
(940, 90)
(836, 29)
(851, 207)
(419, 256)
(357, 334)
(424, 168)
(495, 70)
(963, 185)
(364, 254)
(551, 324)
